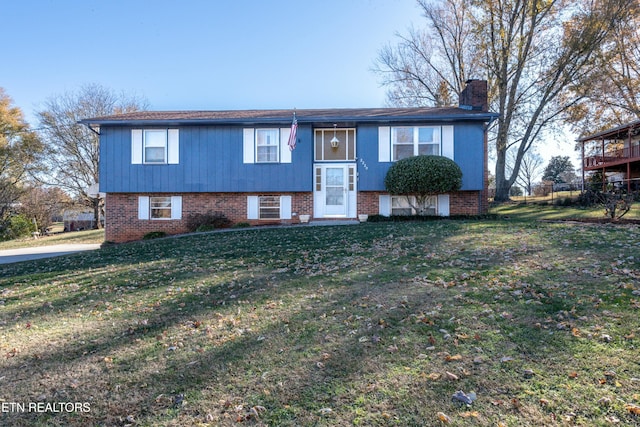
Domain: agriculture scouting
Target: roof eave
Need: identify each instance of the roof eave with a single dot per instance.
(481, 117)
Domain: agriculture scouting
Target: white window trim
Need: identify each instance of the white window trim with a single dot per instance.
(442, 209)
(250, 146)
(171, 146)
(416, 140)
(253, 208)
(277, 146)
(144, 208)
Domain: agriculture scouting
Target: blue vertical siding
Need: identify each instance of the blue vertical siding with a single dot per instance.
(468, 154)
(210, 161)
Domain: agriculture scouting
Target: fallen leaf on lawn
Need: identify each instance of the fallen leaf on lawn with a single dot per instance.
(451, 376)
(573, 375)
(469, 414)
(444, 417)
(434, 376)
(544, 402)
(453, 358)
(633, 409)
(575, 332)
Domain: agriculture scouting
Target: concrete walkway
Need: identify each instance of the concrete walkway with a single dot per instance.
(26, 254)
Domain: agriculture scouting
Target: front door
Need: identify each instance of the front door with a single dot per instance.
(334, 194)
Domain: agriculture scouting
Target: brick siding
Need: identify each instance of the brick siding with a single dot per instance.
(122, 223)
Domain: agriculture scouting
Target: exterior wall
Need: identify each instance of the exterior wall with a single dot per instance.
(122, 223)
(460, 203)
(211, 160)
(469, 154)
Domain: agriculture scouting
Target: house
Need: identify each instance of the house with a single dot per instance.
(615, 153)
(158, 168)
(79, 220)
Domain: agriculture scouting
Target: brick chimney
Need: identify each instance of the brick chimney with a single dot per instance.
(474, 96)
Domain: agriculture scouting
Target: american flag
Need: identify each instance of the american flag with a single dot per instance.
(294, 131)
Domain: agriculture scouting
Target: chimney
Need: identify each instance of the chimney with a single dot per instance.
(474, 96)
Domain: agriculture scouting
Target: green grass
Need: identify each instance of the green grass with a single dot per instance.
(88, 236)
(347, 325)
(534, 211)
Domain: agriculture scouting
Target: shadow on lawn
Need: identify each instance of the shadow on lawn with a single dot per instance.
(255, 331)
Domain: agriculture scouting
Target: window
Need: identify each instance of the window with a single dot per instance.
(267, 145)
(413, 141)
(155, 146)
(160, 207)
(345, 149)
(402, 205)
(269, 207)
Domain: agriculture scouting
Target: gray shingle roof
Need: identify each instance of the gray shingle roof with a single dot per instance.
(340, 115)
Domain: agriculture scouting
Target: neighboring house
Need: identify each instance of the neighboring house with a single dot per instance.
(616, 153)
(158, 168)
(77, 221)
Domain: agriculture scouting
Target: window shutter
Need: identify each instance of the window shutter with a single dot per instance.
(384, 144)
(285, 207)
(136, 146)
(385, 205)
(173, 147)
(252, 207)
(285, 153)
(447, 141)
(143, 207)
(248, 145)
(443, 204)
(176, 207)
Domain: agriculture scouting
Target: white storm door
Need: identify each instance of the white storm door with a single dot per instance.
(335, 190)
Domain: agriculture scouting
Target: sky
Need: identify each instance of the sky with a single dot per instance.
(201, 55)
(206, 54)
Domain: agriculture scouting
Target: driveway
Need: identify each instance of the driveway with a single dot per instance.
(17, 255)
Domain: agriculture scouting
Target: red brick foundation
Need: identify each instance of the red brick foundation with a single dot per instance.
(122, 223)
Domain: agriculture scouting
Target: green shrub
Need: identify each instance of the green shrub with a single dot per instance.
(423, 176)
(241, 225)
(17, 226)
(154, 235)
(207, 221)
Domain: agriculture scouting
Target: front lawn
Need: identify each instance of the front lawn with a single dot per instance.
(369, 324)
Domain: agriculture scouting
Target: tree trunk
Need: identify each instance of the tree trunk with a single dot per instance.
(96, 213)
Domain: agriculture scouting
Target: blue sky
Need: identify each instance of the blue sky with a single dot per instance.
(201, 55)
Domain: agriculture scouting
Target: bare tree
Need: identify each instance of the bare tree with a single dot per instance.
(531, 52)
(74, 149)
(530, 169)
(430, 67)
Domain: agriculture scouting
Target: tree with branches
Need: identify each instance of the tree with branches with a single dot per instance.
(73, 149)
(531, 52)
(20, 155)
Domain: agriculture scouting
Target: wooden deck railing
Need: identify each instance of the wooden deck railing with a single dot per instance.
(613, 156)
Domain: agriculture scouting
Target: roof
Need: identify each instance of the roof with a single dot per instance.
(617, 132)
(340, 115)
